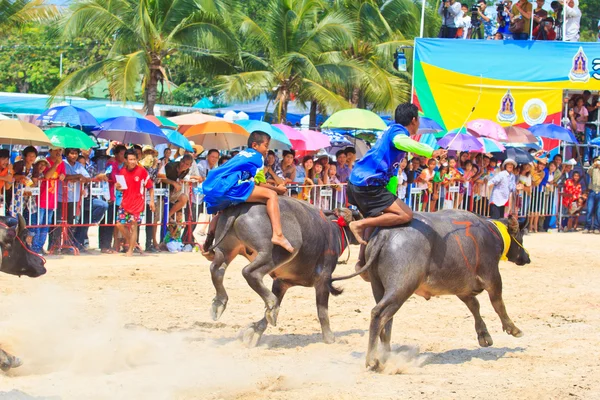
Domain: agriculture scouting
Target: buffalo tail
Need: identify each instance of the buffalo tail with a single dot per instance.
(367, 265)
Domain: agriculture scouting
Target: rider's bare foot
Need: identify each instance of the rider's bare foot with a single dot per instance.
(357, 230)
(283, 242)
(129, 253)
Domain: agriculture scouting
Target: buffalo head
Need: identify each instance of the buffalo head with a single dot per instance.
(17, 256)
(516, 252)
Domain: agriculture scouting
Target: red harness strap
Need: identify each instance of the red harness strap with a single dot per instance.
(341, 222)
(5, 253)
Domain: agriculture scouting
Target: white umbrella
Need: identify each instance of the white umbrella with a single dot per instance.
(2, 116)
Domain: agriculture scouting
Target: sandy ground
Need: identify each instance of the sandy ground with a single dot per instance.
(107, 327)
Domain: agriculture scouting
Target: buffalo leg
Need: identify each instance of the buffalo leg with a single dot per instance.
(483, 335)
(7, 361)
(252, 334)
(217, 273)
(254, 274)
(386, 333)
(323, 311)
(495, 293)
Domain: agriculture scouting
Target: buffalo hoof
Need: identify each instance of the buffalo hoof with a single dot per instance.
(485, 340)
(251, 335)
(328, 338)
(514, 331)
(271, 315)
(217, 309)
(7, 361)
(374, 365)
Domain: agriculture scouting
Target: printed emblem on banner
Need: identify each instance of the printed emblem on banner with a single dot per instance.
(596, 68)
(535, 112)
(507, 108)
(579, 70)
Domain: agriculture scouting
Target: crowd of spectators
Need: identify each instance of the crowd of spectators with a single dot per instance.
(508, 20)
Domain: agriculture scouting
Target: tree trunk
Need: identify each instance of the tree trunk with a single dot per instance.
(313, 115)
(284, 99)
(151, 89)
(355, 96)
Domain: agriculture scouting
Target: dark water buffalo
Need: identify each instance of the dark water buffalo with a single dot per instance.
(447, 252)
(17, 259)
(318, 242)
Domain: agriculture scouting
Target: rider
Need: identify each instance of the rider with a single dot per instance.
(240, 180)
(373, 182)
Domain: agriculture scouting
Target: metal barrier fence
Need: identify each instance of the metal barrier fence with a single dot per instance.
(64, 211)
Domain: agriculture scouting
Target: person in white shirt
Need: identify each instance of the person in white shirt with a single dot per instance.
(573, 22)
(463, 21)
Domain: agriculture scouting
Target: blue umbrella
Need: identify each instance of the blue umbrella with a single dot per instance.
(338, 140)
(131, 130)
(278, 139)
(552, 131)
(103, 113)
(69, 115)
(427, 125)
(177, 139)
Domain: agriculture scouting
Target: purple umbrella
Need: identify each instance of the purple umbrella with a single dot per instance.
(131, 130)
(460, 142)
(69, 115)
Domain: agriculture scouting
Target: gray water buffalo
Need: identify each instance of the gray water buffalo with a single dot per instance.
(444, 253)
(17, 259)
(318, 242)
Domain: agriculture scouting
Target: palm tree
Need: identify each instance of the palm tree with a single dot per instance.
(287, 61)
(144, 34)
(380, 31)
(15, 13)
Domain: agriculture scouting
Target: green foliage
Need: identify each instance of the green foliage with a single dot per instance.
(590, 15)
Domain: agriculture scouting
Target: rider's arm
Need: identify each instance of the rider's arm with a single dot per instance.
(405, 143)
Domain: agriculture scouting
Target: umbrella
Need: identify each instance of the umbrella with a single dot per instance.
(516, 134)
(70, 138)
(69, 115)
(359, 145)
(161, 122)
(595, 142)
(278, 138)
(552, 131)
(490, 145)
(185, 121)
(13, 131)
(521, 156)
(103, 113)
(2, 117)
(338, 140)
(131, 130)
(204, 103)
(177, 139)
(487, 128)
(427, 125)
(305, 140)
(454, 140)
(222, 135)
(355, 118)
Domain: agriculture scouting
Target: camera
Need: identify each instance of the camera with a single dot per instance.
(475, 15)
(500, 8)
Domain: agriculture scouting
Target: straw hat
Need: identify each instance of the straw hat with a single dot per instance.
(509, 161)
(198, 149)
(149, 148)
(571, 162)
(41, 159)
(543, 160)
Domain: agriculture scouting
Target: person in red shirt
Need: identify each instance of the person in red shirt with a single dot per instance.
(572, 190)
(545, 30)
(133, 205)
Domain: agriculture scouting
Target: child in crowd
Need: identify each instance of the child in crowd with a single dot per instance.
(442, 181)
(332, 179)
(574, 213)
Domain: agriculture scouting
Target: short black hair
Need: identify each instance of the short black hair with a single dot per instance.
(29, 149)
(464, 5)
(119, 148)
(270, 153)
(4, 153)
(587, 92)
(137, 147)
(339, 153)
(188, 157)
(405, 113)
(130, 152)
(350, 150)
(212, 151)
(224, 159)
(258, 137)
(286, 152)
(70, 150)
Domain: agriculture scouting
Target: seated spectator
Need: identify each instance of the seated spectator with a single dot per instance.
(545, 30)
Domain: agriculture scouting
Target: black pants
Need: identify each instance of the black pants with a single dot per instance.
(496, 212)
(447, 32)
(190, 213)
(106, 232)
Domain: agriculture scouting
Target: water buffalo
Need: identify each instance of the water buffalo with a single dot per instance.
(17, 259)
(447, 252)
(318, 242)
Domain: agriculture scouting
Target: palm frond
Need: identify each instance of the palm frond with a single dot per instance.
(328, 99)
(246, 86)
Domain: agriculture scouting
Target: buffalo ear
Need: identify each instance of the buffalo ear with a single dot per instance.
(524, 224)
(21, 225)
(513, 225)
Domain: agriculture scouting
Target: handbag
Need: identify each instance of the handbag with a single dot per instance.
(517, 25)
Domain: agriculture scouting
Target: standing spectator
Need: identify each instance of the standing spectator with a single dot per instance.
(23, 174)
(273, 172)
(350, 157)
(503, 186)
(525, 192)
(108, 231)
(343, 171)
(173, 174)
(402, 179)
(133, 205)
(522, 10)
(449, 10)
(573, 22)
(488, 16)
(6, 175)
(211, 162)
(545, 30)
(166, 158)
(463, 22)
(441, 196)
(305, 177)
(151, 163)
(503, 20)
(571, 194)
(48, 199)
(538, 177)
(287, 166)
(590, 126)
(334, 182)
(539, 14)
(581, 117)
(593, 202)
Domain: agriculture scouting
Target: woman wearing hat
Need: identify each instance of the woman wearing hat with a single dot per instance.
(503, 186)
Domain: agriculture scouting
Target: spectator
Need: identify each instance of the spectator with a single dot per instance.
(113, 166)
(545, 30)
(441, 196)
(574, 213)
(481, 187)
(522, 9)
(138, 151)
(425, 179)
(538, 177)
(173, 174)
(6, 173)
(448, 10)
(287, 167)
(502, 187)
(498, 36)
(151, 163)
(166, 158)
(503, 19)
(402, 179)
(571, 194)
(224, 159)
(539, 14)
(488, 17)
(343, 171)
(133, 205)
(305, 177)
(350, 157)
(463, 22)
(273, 172)
(211, 162)
(593, 202)
(23, 174)
(590, 127)
(525, 192)
(469, 174)
(581, 117)
(573, 21)
(334, 183)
